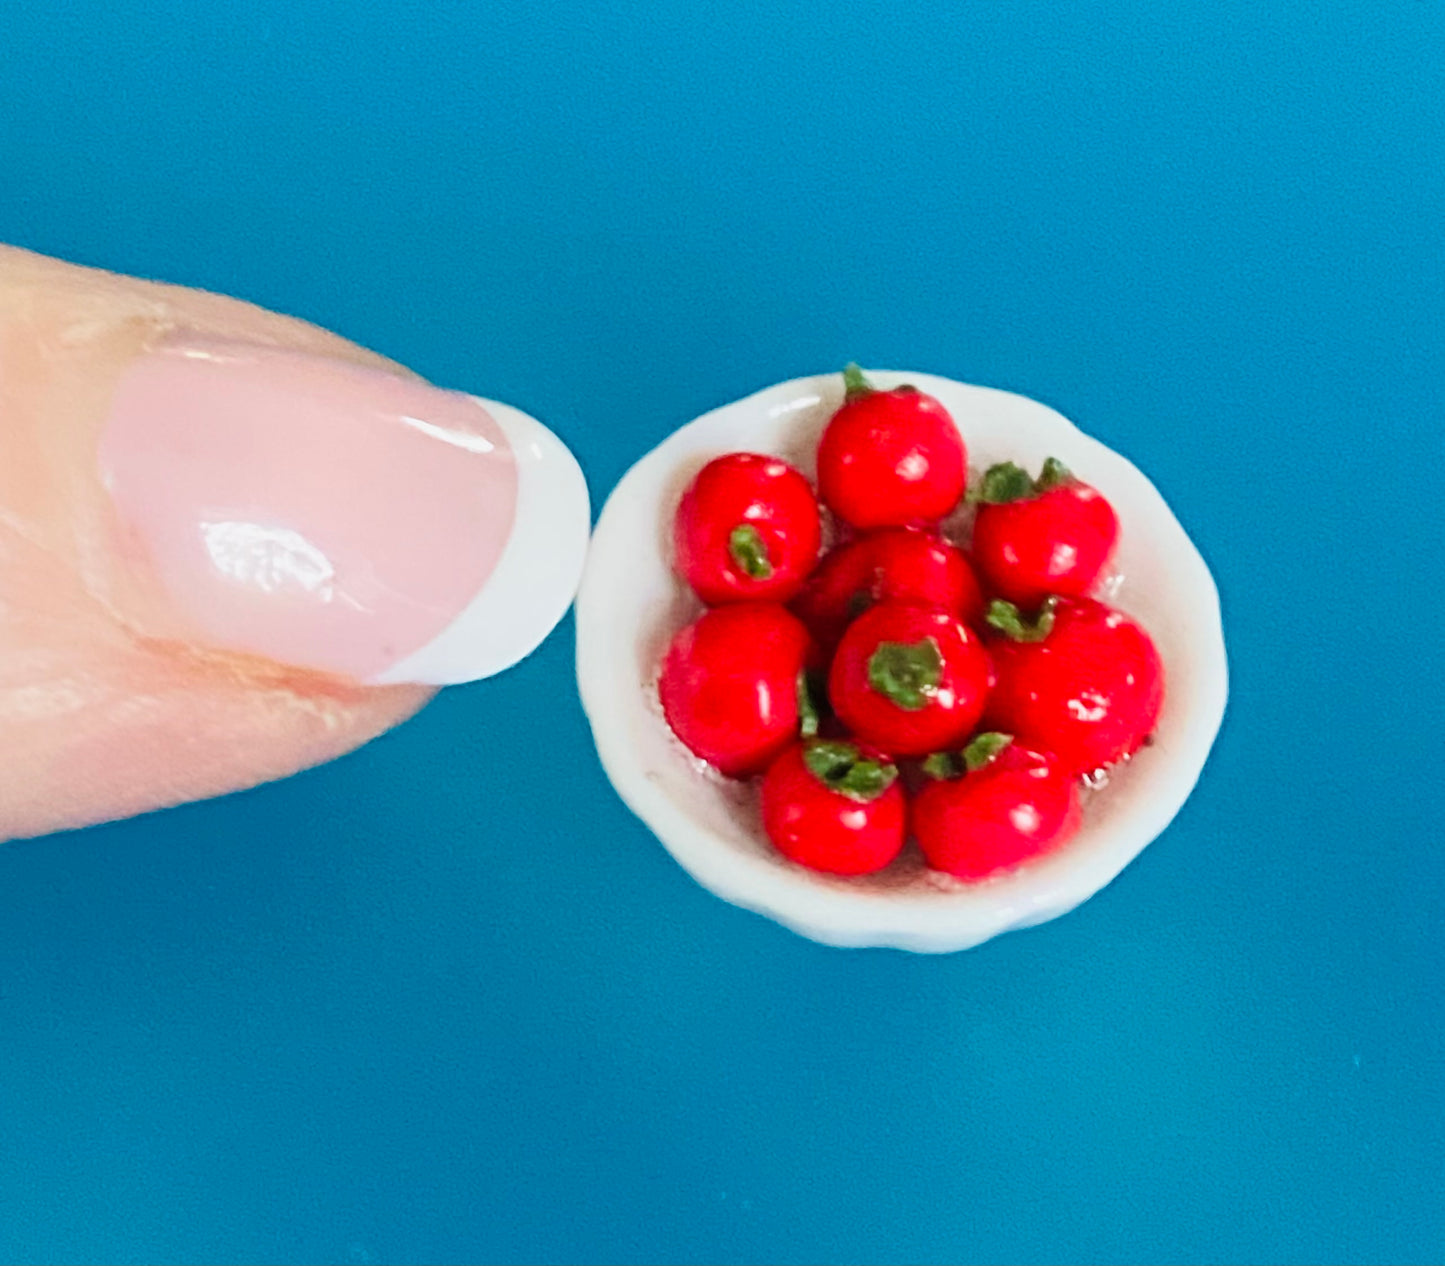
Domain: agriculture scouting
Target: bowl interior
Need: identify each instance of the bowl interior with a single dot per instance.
(630, 605)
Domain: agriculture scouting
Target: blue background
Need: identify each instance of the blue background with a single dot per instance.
(446, 1000)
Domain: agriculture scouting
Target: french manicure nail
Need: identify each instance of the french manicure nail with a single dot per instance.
(340, 517)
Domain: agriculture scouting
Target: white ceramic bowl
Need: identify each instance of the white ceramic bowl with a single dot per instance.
(630, 604)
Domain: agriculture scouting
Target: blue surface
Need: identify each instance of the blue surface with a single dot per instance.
(446, 1000)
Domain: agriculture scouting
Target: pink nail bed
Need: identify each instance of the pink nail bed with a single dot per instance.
(342, 518)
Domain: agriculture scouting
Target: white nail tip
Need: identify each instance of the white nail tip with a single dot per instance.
(536, 577)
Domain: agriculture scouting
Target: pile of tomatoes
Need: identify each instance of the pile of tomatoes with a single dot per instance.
(896, 685)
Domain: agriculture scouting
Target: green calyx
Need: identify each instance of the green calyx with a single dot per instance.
(1003, 483)
(907, 673)
(750, 552)
(855, 383)
(1011, 622)
(982, 749)
(980, 752)
(943, 766)
(841, 767)
(1054, 475)
(1009, 481)
(808, 719)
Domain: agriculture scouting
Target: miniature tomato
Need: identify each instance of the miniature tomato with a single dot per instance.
(730, 685)
(909, 680)
(746, 529)
(1083, 681)
(1036, 537)
(994, 806)
(890, 458)
(892, 565)
(832, 807)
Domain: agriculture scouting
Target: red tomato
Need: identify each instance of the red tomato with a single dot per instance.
(831, 807)
(1085, 683)
(730, 683)
(1011, 804)
(909, 680)
(1033, 538)
(890, 458)
(892, 565)
(746, 529)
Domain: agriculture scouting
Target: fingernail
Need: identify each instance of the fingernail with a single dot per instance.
(342, 518)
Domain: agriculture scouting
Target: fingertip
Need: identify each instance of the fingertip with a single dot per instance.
(535, 579)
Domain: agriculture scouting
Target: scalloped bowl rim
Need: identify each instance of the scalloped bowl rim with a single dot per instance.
(621, 621)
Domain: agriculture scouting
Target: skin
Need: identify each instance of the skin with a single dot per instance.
(105, 711)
